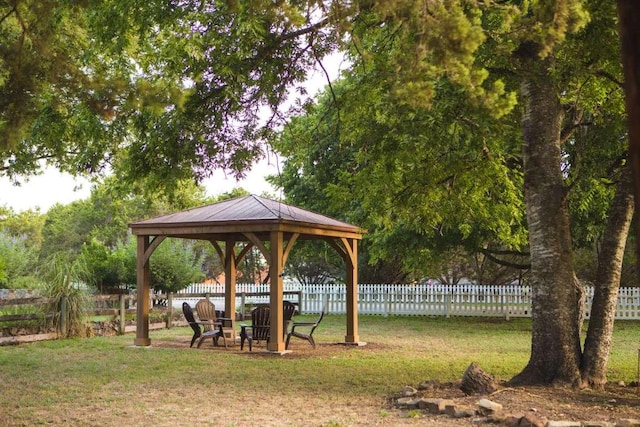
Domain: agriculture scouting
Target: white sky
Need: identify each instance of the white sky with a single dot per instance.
(53, 187)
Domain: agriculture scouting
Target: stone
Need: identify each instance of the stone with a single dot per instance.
(413, 404)
(628, 422)
(403, 402)
(407, 403)
(409, 391)
(487, 407)
(531, 420)
(450, 409)
(511, 420)
(434, 406)
(464, 413)
(564, 424)
(597, 424)
(429, 385)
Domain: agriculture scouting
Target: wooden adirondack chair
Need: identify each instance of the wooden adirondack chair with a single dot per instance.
(210, 320)
(259, 329)
(207, 314)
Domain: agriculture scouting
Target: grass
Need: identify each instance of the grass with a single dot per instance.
(99, 380)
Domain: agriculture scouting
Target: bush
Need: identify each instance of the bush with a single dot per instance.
(174, 265)
(65, 284)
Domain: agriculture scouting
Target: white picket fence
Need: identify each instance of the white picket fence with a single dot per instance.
(415, 299)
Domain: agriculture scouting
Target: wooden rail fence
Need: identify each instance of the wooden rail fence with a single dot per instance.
(116, 306)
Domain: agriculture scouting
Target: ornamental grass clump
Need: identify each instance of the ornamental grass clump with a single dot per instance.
(65, 285)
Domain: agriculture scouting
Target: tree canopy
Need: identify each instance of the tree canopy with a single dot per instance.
(425, 131)
(435, 149)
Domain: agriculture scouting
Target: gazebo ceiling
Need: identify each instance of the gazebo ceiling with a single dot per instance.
(249, 214)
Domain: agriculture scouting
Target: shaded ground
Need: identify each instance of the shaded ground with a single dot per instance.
(547, 403)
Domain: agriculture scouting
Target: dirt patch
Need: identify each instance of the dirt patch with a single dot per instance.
(546, 403)
(613, 404)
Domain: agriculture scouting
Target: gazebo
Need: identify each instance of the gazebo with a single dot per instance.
(234, 227)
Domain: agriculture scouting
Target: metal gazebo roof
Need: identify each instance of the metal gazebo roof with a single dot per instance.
(245, 214)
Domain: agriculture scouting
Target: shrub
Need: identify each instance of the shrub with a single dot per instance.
(65, 285)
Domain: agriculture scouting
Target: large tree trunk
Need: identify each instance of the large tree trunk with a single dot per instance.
(629, 18)
(556, 295)
(598, 343)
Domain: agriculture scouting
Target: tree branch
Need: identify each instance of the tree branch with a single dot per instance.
(301, 32)
(13, 10)
(610, 77)
(502, 262)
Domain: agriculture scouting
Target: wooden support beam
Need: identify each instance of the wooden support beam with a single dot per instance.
(351, 262)
(276, 341)
(230, 272)
(142, 303)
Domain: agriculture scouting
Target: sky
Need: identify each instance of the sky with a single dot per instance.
(43, 191)
(51, 187)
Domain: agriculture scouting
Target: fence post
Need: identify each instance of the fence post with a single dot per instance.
(170, 307)
(123, 313)
(242, 303)
(300, 301)
(447, 305)
(386, 303)
(63, 317)
(506, 304)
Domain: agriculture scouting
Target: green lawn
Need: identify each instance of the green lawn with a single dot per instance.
(100, 380)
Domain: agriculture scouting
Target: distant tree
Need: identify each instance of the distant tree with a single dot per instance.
(67, 228)
(26, 225)
(236, 192)
(314, 263)
(103, 266)
(106, 214)
(174, 266)
(18, 262)
(364, 162)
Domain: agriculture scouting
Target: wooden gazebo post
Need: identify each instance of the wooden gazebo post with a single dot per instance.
(143, 278)
(351, 264)
(276, 292)
(230, 272)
